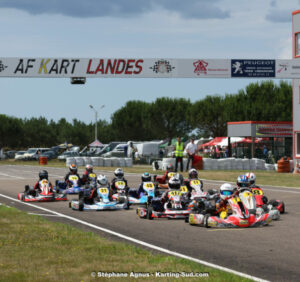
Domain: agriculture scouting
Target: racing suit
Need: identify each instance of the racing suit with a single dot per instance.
(67, 178)
(85, 177)
(113, 187)
(36, 188)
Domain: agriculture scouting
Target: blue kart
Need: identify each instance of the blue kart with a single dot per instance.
(149, 192)
(100, 203)
(73, 187)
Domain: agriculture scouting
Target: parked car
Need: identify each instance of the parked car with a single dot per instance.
(109, 147)
(33, 153)
(19, 155)
(10, 154)
(49, 154)
(118, 152)
(67, 154)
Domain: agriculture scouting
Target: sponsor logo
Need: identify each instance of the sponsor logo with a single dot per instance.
(200, 67)
(253, 68)
(162, 66)
(116, 66)
(283, 67)
(2, 66)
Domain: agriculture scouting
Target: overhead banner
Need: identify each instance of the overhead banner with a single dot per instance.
(148, 68)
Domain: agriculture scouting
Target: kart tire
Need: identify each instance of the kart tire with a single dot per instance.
(283, 208)
(149, 213)
(80, 204)
(205, 220)
(264, 199)
(273, 202)
(127, 204)
(265, 208)
(70, 205)
(186, 219)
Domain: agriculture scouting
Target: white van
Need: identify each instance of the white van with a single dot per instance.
(33, 153)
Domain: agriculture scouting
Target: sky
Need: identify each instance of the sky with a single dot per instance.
(237, 29)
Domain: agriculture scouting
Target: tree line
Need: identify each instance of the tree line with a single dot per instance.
(161, 119)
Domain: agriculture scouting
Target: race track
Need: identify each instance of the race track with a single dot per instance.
(271, 253)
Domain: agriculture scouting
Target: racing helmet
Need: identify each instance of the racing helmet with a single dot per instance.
(193, 174)
(226, 190)
(242, 181)
(146, 177)
(89, 168)
(102, 179)
(252, 177)
(43, 174)
(174, 183)
(119, 173)
(73, 168)
(170, 168)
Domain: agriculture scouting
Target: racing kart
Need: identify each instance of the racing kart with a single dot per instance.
(254, 207)
(70, 187)
(262, 201)
(239, 217)
(149, 192)
(121, 190)
(44, 194)
(174, 208)
(102, 202)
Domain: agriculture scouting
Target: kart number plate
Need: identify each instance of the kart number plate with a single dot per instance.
(44, 182)
(171, 174)
(183, 189)
(103, 190)
(195, 182)
(120, 183)
(247, 194)
(92, 175)
(257, 191)
(148, 185)
(235, 200)
(73, 177)
(175, 193)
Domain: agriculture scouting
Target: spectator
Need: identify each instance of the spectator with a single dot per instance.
(125, 150)
(191, 149)
(265, 151)
(297, 168)
(179, 154)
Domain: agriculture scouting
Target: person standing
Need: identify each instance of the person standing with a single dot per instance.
(179, 154)
(191, 150)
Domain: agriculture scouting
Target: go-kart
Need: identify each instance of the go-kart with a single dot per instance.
(44, 194)
(121, 190)
(175, 207)
(70, 187)
(249, 200)
(102, 202)
(239, 217)
(262, 201)
(149, 192)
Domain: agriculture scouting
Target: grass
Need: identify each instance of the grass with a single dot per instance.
(35, 249)
(263, 177)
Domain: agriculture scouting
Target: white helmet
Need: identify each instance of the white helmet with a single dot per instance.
(119, 173)
(226, 190)
(89, 168)
(102, 179)
(252, 178)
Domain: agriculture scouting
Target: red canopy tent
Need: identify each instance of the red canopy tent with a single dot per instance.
(213, 142)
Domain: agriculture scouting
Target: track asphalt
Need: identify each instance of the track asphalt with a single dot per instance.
(271, 252)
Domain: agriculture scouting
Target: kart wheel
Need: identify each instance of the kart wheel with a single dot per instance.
(70, 205)
(127, 204)
(149, 213)
(283, 208)
(264, 199)
(205, 221)
(186, 219)
(57, 190)
(265, 208)
(80, 204)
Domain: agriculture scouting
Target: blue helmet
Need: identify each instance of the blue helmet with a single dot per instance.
(243, 181)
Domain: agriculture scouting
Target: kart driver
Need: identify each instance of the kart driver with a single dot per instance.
(85, 176)
(73, 171)
(119, 176)
(193, 175)
(93, 197)
(146, 177)
(173, 184)
(252, 179)
(222, 207)
(43, 174)
(167, 175)
(243, 183)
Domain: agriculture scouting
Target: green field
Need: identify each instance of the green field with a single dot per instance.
(35, 249)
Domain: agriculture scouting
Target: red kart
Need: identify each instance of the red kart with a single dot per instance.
(240, 217)
(44, 194)
(262, 200)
